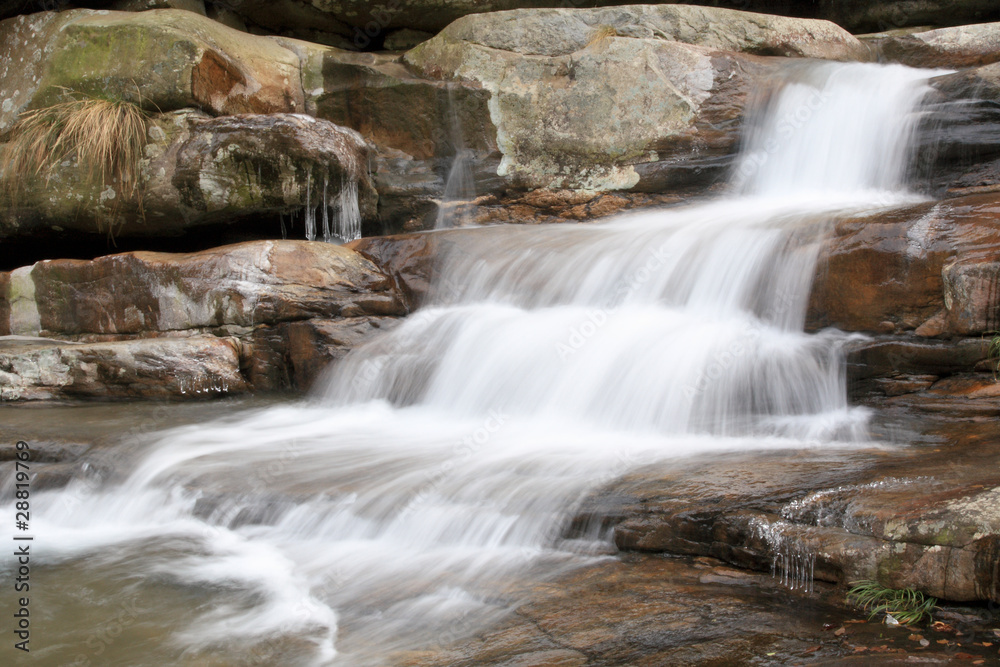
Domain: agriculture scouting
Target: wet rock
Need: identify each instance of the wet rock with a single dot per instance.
(238, 286)
(930, 263)
(418, 125)
(293, 355)
(893, 365)
(199, 171)
(952, 48)
(928, 522)
(196, 367)
(558, 125)
(163, 59)
(960, 132)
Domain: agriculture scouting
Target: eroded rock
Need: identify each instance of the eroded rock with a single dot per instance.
(242, 285)
(199, 170)
(572, 109)
(932, 264)
(194, 367)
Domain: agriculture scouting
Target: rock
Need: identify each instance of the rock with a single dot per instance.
(405, 39)
(572, 110)
(196, 6)
(293, 355)
(929, 522)
(196, 367)
(930, 262)
(368, 23)
(870, 16)
(233, 287)
(960, 132)
(896, 365)
(164, 59)
(198, 171)
(953, 48)
(561, 32)
(418, 125)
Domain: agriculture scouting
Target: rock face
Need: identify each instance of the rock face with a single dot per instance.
(264, 315)
(961, 132)
(164, 59)
(930, 268)
(572, 110)
(199, 170)
(196, 367)
(962, 46)
(233, 286)
(928, 522)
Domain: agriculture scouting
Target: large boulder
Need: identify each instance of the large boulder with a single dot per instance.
(612, 99)
(235, 288)
(931, 269)
(163, 59)
(262, 316)
(953, 48)
(196, 170)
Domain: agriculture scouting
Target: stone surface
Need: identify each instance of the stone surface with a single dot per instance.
(906, 517)
(196, 6)
(195, 367)
(294, 355)
(198, 171)
(960, 133)
(572, 110)
(952, 48)
(560, 32)
(165, 59)
(238, 286)
(932, 263)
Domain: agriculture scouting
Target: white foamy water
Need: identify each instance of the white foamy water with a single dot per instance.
(433, 479)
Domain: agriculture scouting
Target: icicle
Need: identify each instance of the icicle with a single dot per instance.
(310, 211)
(348, 223)
(284, 231)
(326, 209)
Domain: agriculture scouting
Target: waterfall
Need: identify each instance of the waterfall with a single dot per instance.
(434, 476)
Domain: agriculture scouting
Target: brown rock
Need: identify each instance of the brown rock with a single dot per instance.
(242, 285)
(293, 355)
(907, 265)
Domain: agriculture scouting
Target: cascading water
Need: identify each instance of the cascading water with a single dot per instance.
(409, 504)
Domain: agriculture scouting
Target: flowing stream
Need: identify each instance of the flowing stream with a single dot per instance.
(431, 481)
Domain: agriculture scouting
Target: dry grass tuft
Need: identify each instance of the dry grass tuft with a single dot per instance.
(106, 138)
(600, 35)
